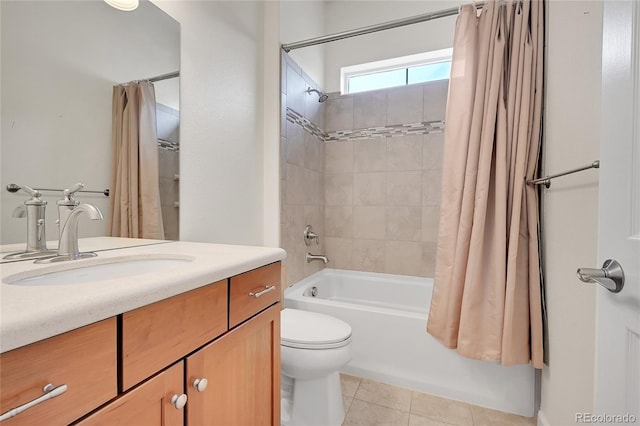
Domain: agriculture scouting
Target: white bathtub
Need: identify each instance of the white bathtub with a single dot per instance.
(390, 344)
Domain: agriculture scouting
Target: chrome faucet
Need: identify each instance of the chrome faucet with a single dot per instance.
(312, 257)
(67, 205)
(34, 210)
(68, 244)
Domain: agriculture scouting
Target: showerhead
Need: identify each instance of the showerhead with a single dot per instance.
(321, 96)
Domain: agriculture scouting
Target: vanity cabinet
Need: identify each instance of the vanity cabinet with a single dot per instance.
(150, 403)
(83, 360)
(243, 373)
(146, 366)
(160, 334)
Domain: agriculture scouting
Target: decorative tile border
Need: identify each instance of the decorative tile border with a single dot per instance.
(306, 124)
(395, 130)
(168, 145)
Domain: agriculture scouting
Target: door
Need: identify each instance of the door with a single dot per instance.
(242, 369)
(618, 314)
(157, 402)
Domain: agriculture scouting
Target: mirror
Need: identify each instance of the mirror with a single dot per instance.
(60, 61)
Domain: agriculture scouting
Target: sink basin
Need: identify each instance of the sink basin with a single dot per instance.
(98, 269)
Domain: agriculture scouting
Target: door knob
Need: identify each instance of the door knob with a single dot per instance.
(610, 276)
(179, 401)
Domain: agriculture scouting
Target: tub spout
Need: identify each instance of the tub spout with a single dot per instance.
(311, 257)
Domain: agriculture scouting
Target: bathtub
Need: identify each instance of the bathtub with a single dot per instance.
(387, 314)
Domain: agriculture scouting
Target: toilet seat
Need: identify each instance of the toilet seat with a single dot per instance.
(312, 330)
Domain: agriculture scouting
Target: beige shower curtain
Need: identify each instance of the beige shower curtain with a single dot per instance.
(487, 298)
(134, 200)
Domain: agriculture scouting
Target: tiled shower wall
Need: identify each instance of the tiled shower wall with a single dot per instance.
(382, 194)
(168, 128)
(301, 174)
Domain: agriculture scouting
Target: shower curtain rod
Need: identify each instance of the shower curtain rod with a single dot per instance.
(164, 76)
(375, 28)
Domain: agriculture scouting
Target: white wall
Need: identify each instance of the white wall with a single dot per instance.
(343, 15)
(221, 118)
(301, 20)
(571, 205)
(60, 61)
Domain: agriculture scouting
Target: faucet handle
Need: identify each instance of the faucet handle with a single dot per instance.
(35, 196)
(309, 236)
(29, 190)
(68, 195)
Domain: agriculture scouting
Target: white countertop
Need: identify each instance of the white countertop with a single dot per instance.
(32, 313)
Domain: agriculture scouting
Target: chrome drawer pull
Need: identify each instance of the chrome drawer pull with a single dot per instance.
(49, 392)
(267, 289)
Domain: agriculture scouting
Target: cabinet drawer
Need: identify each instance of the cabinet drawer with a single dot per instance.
(83, 359)
(161, 333)
(252, 291)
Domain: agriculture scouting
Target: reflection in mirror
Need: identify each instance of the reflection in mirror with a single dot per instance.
(60, 61)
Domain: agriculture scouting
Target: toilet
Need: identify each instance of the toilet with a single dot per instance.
(314, 347)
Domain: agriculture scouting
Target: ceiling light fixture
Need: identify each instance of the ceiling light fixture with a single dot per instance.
(126, 5)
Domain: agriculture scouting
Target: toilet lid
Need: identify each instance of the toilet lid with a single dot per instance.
(308, 330)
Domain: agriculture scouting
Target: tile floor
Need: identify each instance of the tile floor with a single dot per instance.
(370, 403)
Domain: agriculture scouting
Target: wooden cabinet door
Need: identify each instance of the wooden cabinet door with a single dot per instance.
(146, 404)
(243, 373)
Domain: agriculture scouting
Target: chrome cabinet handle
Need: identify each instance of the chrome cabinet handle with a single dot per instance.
(610, 276)
(200, 384)
(179, 401)
(267, 289)
(49, 392)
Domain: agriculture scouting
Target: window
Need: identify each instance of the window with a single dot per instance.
(420, 68)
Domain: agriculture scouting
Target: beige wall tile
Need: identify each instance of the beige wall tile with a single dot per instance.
(313, 153)
(405, 105)
(338, 114)
(339, 252)
(368, 255)
(404, 153)
(369, 188)
(441, 409)
(296, 191)
(295, 144)
(339, 189)
(385, 395)
(369, 109)
(403, 258)
(170, 222)
(432, 151)
(431, 187)
(369, 155)
(364, 413)
(404, 188)
(338, 157)
(168, 163)
(295, 90)
(430, 223)
(404, 223)
(338, 221)
(369, 222)
(169, 191)
(435, 100)
(428, 264)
